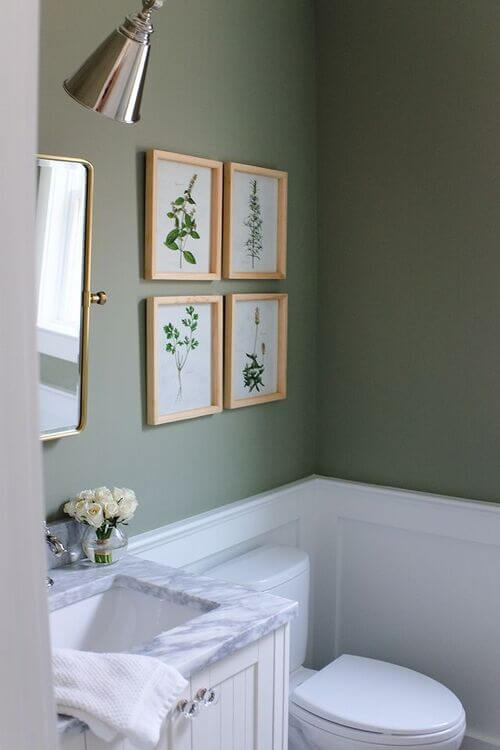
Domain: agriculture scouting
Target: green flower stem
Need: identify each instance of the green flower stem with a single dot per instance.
(256, 336)
(103, 534)
(254, 243)
(179, 379)
(104, 559)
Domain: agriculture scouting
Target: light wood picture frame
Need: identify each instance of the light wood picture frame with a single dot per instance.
(255, 349)
(255, 222)
(184, 357)
(183, 217)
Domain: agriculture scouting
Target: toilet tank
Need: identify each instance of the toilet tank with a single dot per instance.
(279, 570)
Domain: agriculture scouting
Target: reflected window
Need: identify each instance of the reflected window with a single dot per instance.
(60, 235)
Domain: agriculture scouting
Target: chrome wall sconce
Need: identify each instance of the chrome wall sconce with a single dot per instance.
(111, 80)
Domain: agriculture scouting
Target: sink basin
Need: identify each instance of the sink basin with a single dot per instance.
(119, 619)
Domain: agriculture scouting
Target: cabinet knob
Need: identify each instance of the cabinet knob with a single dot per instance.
(207, 697)
(98, 298)
(188, 709)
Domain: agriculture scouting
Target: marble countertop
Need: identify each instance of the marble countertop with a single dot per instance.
(230, 618)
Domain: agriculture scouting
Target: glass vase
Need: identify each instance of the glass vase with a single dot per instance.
(104, 548)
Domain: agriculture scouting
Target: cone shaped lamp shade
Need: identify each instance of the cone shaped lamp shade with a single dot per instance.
(111, 80)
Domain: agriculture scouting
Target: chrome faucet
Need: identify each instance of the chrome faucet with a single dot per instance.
(56, 547)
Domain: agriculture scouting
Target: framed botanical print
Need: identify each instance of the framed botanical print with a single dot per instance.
(184, 357)
(183, 220)
(255, 222)
(255, 349)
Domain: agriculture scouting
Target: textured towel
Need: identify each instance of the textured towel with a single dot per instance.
(116, 694)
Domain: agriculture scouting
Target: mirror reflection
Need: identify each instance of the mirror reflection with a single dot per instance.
(63, 262)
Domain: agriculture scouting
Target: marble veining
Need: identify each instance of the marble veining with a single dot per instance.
(230, 618)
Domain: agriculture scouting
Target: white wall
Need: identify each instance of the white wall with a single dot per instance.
(26, 703)
(402, 576)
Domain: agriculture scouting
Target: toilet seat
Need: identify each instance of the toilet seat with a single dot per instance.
(379, 703)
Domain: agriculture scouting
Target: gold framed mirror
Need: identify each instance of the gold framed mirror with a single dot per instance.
(65, 191)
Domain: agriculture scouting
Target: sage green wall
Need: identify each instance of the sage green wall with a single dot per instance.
(408, 310)
(229, 79)
(409, 200)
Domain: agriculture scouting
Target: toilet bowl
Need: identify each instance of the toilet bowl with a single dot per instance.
(354, 701)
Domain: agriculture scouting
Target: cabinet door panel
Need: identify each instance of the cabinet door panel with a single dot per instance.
(265, 695)
(207, 725)
(229, 724)
(250, 708)
(281, 683)
(244, 716)
(177, 732)
(226, 711)
(243, 711)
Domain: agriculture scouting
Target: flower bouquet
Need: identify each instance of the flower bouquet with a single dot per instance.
(102, 510)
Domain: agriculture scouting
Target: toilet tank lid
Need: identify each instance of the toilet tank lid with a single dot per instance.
(376, 696)
(263, 568)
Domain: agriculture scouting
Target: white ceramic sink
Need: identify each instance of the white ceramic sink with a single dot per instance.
(119, 619)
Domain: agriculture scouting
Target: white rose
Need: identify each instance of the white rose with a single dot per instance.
(129, 495)
(94, 515)
(110, 509)
(80, 510)
(102, 495)
(117, 494)
(127, 505)
(86, 495)
(69, 507)
(126, 511)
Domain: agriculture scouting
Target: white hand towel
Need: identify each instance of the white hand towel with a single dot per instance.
(116, 694)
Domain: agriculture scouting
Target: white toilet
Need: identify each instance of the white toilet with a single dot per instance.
(354, 702)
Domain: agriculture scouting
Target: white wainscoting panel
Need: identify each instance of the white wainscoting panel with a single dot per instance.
(417, 582)
(402, 576)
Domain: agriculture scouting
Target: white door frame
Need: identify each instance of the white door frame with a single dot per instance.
(27, 717)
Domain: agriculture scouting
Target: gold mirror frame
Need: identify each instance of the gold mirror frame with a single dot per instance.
(87, 298)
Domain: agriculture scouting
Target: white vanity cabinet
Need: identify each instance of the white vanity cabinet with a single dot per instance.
(250, 711)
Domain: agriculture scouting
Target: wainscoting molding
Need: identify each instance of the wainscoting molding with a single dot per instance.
(402, 576)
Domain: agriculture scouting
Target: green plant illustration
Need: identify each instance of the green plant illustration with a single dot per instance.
(183, 212)
(254, 223)
(181, 347)
(254, 370)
